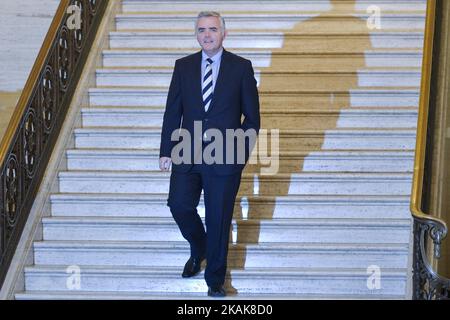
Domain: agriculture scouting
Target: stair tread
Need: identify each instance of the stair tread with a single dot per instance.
(120, 129)
(265, 51)
(123, 109)
(105, 295)
(271, 32)
(268, 70)
(263, 108)
(174, 271)
(287, 198)
(285, 32)
(365, 89)
(359, 153)
(272, 14)
(80, 245)
(285, 222)
(279, 12)
(281, 111)
(372, 131)
(306, 174)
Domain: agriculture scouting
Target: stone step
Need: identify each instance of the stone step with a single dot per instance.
(312, 21)
(291, 118)
(303, 183)
(87, 295)
(320, 161)
(321, 6)
(273, 79)
(282, 118)
(325, 99)
(303, 140)
(248, 281)
(175, 254)
(128, 138)
(318, 231)
(252, 206)
(334, 42)
(283, 60)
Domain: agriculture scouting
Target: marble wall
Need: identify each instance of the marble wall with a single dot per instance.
(24, 24)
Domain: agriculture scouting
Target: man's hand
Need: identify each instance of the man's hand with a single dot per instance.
(164, 163)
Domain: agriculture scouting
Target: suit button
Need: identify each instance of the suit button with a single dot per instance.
(205, 136)
(206, 120)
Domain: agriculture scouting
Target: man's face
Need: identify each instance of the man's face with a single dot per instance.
(209, 35)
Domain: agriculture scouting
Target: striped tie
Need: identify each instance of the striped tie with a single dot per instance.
(207, 88)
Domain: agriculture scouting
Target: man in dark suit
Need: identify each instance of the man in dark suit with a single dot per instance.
(209, 93)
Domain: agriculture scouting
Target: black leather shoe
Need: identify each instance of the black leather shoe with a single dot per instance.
(216, 291)
(192, 267)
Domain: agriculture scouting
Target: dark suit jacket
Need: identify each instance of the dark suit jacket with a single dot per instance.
(235, 94)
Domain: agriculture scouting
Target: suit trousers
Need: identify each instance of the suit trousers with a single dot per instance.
(219, 192)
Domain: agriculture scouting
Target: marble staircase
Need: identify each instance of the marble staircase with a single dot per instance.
(336, 210)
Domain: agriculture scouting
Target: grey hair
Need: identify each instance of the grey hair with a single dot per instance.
(211, 14)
